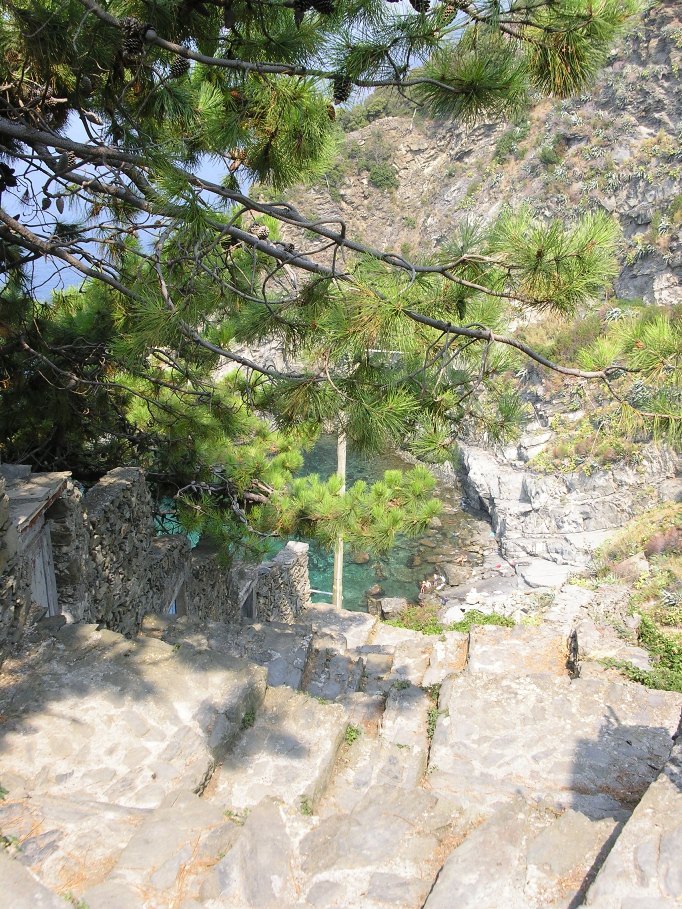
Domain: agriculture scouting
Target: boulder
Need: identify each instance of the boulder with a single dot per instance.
(392, 606)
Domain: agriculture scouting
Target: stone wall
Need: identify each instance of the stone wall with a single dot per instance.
(70, 535)
(112, 568)
(209, 592)
(120, 517)
(168, 560)
(15, 585)
(283, 585)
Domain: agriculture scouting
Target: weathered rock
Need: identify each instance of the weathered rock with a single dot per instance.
(157, 716)
(448, 656)
(355, 627)
(281, 648)
(258, 872)
(643, 869)
(524, 857)
(383, 853)
(517, 651)
(22, 889)
(287, 753)
(558, 519)
(633, 568)
(590, 744)
(392, 606)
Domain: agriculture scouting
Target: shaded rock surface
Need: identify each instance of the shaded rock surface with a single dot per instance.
(434, 771)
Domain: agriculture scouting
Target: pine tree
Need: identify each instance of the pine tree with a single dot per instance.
(180, 270)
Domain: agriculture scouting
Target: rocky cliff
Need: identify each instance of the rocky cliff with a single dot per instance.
(404, 182)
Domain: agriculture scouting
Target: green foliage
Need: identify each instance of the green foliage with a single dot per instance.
(305, 806)
(352, 734)
(75, 901)
(381, 103)
(666, 651)
(484, 74)
(182, 272)
(382, 176)
(423, 618)
(432, 715)
(248, 719)
(549, 154)
(433, 712)
(475, 617)
(641, 532)
(508, 145)
(592, 444)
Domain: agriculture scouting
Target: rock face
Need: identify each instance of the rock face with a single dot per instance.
(614, 148)
(378, 767)
(540, 520)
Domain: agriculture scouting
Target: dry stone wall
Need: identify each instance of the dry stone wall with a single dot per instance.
(70, 536)
(15, 584)
(112, 568)
(283, 586)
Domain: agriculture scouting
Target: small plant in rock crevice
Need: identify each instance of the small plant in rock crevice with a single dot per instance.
(352, 734)
(237, 817)
(75, 902)
(433, 691)
(248, 719)
(306, 806)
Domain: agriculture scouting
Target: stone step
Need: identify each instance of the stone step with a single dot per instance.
(167, 857)
(411, 659)
(404, 724)
(448, 657)
(520, 650)
(331, 671)
(378, 665)
(395, 753)
(523, 857)
(355, 628)
(96, 716)
(591, 744)
(282, 649)
(384, 852)
(70, 843)
(597, 642)
(260, 870)
(288, 753)
(22, 889)
(644, 867)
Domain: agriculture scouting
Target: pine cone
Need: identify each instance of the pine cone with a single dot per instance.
(260, 231)
(179, 68)
(301, 7)
(448, 11)
(132, 46)
(421, 6)
(343, 86)
(325, 7)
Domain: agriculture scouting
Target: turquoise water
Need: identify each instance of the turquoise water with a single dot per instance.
(401, 571)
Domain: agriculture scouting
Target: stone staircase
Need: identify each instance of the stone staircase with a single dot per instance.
(337, 761)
